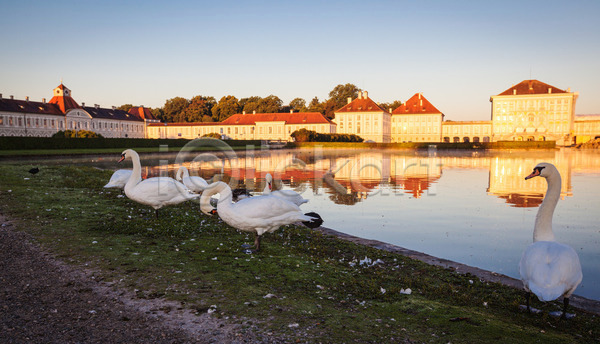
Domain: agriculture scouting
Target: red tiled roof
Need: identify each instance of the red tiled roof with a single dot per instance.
(65, 103)
(24, 106)
(288, 118)
(361, 105)
(531, 87)
(141, 112)
(417, 104)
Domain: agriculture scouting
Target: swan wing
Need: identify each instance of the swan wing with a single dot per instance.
(118, 179)
(550, 269)
(160, 191)
(290, 195)
(195, 184)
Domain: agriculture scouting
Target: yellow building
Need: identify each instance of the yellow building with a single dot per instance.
(256, 126)
(417, 120)
(363, 117)
(466, 131)
(534, 111)
(587, 127)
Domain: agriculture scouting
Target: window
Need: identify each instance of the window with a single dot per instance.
(1, 120)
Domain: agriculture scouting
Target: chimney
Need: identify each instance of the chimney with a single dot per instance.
(96, 106)
(390, 110)
(114, 107)
(291, 110)
(420, 102)
(254, 112)
(365, 94)
(44, 100)
(12, 97)
(569, 90)
(82, 104)
(349, 100)
(514, 91)
(549, 89)
(419, 95)
(243, 112)
(359, 94)
(27, 98)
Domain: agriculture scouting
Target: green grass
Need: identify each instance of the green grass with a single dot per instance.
(316, 280)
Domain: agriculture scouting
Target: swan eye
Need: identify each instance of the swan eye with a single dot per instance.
(539, 169)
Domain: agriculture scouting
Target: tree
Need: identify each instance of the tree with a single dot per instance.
(315, 105)
(341, 93)
(298, 105)
(329, 108)
(227, 106)
(393, 105)
(125, 107)
(199, 107)
(213, 135)
(173, 108)
(270, 104)
(249, 104)
(76, 134)
(158, 113)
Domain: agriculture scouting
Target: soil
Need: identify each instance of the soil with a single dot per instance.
(43, 300)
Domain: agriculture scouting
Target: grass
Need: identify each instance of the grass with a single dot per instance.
(303, 285)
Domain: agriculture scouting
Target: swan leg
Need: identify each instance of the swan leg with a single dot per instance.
(565, 305)
(257, 242)
(156, 212)
(527, 297)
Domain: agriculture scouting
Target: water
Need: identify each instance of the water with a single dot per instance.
(470, 207)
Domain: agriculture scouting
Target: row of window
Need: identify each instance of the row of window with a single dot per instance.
(58, 124)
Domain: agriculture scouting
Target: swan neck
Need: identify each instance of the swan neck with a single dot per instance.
(213, 189)
(136, 173)
(543, 220)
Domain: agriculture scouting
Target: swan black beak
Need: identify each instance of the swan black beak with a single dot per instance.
(122, 158)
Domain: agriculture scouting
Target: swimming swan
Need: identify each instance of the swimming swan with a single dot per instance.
(549, 269)
(155, 192)
(259, 214)
(118, 179)
(194, 183)
(288, 195)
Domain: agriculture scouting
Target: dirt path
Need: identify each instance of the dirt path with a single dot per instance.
(45, 301)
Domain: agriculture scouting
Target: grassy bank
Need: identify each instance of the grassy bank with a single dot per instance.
(303, 285)
(427, 145)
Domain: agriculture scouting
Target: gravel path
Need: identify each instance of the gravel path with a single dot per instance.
(45, 301)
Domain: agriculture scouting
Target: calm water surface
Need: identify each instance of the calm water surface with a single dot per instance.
(470, 207)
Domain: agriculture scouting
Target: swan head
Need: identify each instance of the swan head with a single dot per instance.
(269, 180)
(542, 169)
(128, 153)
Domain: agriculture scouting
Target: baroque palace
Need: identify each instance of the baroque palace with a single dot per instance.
(528, 111)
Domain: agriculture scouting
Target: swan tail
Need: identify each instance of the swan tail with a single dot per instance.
(547, 294)
(315, 221)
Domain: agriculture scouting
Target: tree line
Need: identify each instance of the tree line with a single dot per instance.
(208, 109)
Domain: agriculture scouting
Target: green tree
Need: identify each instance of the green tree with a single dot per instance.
(173, 109)
(250, 104)
(393, 105)
(226, 107)
(341, 93)
(199, 107)
(125, 107)
(270, 104)
(158, 113)
(329, 108)
(213, 135)
(298, 105)
(315, 105)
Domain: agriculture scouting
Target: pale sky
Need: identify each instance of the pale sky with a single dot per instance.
(457, 53)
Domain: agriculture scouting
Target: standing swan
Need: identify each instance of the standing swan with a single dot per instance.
(260, 214)
(194, 183)
(288, 195)
(549, 269)
(155, 192)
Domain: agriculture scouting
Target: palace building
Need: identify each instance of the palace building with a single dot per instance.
(417, 120)
(363, 117)
(255, 126)
(43, 119)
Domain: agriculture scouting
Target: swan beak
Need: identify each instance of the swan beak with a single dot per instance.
(213, 212)
(270, 186)
(535, 173)
(122, 158)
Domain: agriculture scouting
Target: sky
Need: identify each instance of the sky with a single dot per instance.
(457, 53)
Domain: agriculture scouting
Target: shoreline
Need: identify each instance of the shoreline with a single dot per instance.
(589, 305)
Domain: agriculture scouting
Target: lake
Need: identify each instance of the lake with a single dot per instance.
(467, 206)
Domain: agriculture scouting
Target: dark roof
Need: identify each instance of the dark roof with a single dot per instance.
(25, 106)
(116, 114)
(531, 87)
(417, 104)
(361, 105)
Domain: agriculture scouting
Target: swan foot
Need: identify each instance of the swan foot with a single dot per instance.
(562, 315)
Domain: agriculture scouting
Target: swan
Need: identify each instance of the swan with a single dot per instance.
(194, 183)
(548, 268)
(259, 214)
(118, 179)
(155, 192)
(288, 195)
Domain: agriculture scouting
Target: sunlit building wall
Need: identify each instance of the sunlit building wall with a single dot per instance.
(534, 111)
(363, 117)
(587, 127)
(466, 131)
(417, 120)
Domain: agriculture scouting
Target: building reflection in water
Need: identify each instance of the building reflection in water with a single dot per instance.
(348, 176)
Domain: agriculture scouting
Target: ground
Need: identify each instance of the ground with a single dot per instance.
(45, 300)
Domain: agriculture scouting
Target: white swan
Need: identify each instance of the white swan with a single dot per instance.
(288, 195)
(118, 179)
(194, 183)
(549, 269)
(259, 214)
(155, 192)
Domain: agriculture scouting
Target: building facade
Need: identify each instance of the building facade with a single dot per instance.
(363, 117)
(43, 119)
(256, 126)
(417, 120)
(534, 111)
